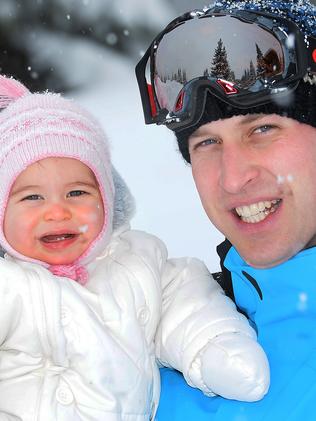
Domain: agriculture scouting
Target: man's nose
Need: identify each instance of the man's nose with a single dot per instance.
(57, 212)
(238, 168)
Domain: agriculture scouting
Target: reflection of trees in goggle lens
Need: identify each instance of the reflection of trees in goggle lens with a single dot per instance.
(245, 56)
(267, 65)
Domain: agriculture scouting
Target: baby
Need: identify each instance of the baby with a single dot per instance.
(89, 307)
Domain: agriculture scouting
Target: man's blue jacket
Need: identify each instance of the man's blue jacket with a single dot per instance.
(280, 303)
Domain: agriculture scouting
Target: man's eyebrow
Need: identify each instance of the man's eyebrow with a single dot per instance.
(246, 119)
(250, 118)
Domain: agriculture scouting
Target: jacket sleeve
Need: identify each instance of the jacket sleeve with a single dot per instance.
(24, 315)
(195, 312)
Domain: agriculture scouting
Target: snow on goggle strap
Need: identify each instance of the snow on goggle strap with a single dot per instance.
(243, 58)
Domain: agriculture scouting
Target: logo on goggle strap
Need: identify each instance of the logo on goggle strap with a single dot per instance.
(228, 87)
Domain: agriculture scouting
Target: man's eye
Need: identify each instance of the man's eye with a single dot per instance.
(264, 129)
(208, 142)
(75, 193)
(204, 143)
(33, 197)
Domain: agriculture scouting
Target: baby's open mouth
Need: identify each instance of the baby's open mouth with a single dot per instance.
(54, 238)
(257, 212)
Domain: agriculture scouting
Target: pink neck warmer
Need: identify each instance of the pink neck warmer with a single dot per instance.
(76, 272)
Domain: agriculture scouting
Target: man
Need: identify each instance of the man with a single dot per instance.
(236, 83)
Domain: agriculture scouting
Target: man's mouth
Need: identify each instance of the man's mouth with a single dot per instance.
(257, 212)
(56, 238)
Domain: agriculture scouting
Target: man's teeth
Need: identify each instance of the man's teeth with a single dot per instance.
(257, 211)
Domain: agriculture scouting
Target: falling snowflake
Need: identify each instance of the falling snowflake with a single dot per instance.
(302, 301)
(111, 38)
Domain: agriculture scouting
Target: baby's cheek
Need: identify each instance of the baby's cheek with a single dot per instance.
(96, 214)
(28, 249)
(21, 226)
(92, 218)
(89, 213)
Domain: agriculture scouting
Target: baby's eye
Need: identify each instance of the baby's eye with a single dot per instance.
(33, 197)
(75, 193)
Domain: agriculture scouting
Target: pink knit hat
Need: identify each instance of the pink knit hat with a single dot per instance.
(38, 126)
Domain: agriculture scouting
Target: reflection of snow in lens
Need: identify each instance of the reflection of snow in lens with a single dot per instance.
(290, 41)
(302, 301)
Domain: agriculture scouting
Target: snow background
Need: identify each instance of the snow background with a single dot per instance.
(167, 203)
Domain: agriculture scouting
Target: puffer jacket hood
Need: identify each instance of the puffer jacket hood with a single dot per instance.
(124, 203)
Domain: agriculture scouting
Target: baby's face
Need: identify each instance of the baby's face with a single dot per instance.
(55, 211)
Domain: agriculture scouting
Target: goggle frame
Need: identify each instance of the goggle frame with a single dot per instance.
(304, 50)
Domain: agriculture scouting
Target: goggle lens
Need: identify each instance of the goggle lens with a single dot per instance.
(223, 49)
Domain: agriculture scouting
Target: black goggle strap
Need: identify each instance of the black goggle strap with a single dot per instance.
(146, 89)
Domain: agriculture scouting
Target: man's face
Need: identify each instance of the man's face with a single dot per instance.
(256, 177)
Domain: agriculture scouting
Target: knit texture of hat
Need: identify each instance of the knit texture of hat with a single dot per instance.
(302, 106)
(38, 126)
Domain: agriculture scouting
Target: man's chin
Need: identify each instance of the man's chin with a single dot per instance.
(265, 259)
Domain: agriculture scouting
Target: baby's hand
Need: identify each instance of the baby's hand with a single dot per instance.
(234, 366)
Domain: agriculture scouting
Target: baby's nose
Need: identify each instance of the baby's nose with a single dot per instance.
(57, 212)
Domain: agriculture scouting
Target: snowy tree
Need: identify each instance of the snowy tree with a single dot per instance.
(252, 71)
(220, 67)
(260, 61)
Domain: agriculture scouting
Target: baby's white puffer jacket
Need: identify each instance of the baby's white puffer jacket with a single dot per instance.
(69, 352)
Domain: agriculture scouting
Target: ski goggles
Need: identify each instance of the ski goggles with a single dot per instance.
(244, 58)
